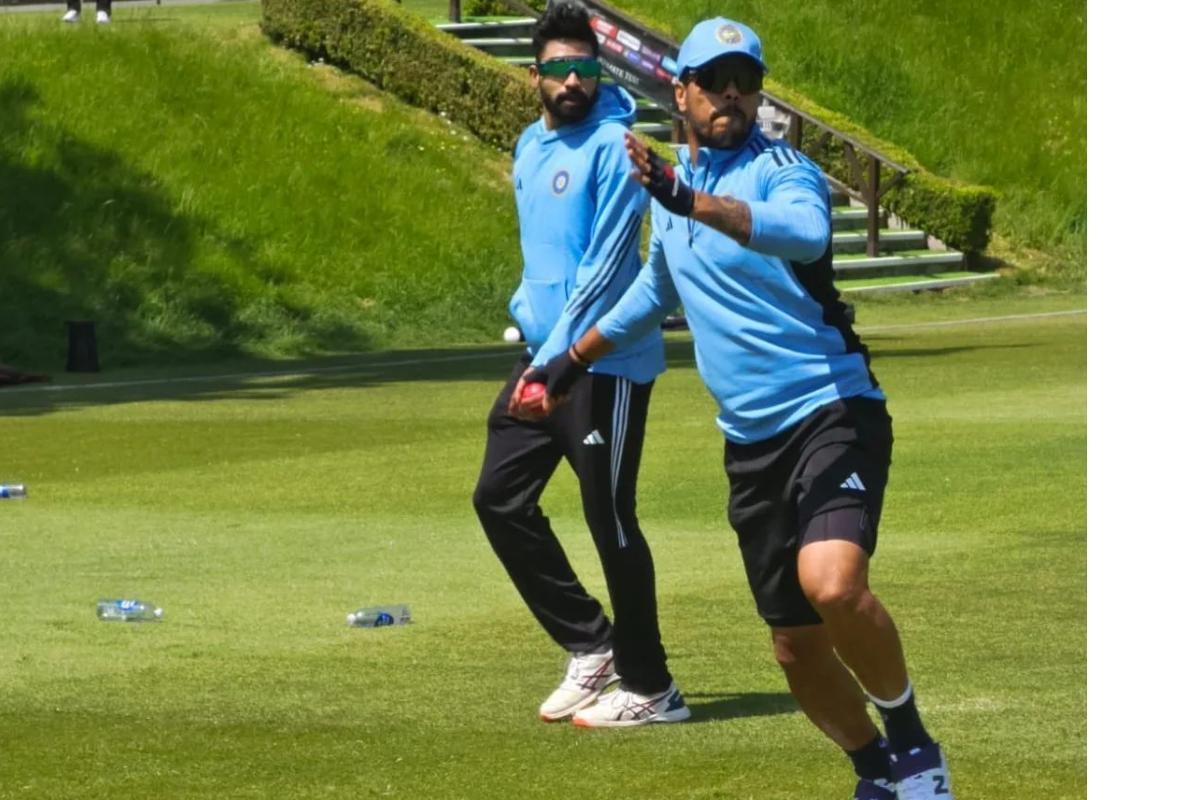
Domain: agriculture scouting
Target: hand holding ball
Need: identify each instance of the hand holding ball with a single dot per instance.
(554, 378)
(530, 403)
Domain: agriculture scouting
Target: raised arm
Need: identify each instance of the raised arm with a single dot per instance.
(791, 221)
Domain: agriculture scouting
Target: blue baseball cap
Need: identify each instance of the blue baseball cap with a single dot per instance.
(714, 38)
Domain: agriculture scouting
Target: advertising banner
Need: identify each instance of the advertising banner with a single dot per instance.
(639, 59)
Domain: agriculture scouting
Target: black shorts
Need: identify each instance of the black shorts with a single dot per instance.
(823, 479)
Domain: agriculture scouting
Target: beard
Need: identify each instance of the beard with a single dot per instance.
(569, 105)
(730, 136)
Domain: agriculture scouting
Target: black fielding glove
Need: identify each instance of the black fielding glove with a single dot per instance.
(559, 374)
(666, 187)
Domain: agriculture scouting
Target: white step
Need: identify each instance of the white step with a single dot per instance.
(847, 265)
(498, 41)
(460, 29)
(936, 284)
(856, 241)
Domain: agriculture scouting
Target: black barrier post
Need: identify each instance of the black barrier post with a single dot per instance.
(82, 353)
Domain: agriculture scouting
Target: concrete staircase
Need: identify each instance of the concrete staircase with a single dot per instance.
(908, 259)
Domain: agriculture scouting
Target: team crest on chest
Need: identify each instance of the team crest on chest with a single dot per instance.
(562, 179)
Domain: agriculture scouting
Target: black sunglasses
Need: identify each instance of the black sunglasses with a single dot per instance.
(715, 76)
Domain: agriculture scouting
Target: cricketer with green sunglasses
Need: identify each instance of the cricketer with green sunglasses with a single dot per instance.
(561, 68)
(580, 219)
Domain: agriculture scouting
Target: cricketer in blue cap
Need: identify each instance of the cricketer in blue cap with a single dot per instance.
(714, 38)
(719, 73)
(741, 237)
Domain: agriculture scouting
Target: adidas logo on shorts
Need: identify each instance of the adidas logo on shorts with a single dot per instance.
(854, 482)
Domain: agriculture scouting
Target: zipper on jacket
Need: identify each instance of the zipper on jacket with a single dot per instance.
(691, 222)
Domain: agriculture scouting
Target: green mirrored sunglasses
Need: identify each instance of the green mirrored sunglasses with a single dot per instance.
(563, 67)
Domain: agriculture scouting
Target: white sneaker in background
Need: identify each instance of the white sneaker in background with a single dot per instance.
(102, 18)
(71, 16)
(623, 708)
(588, 674)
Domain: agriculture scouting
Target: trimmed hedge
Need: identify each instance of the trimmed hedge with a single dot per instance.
(403, 54)
(958, 214)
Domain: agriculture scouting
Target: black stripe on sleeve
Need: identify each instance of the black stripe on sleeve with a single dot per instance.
(605, 274)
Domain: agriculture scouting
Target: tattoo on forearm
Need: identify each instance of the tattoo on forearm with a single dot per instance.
(738, 215)
(728, 215)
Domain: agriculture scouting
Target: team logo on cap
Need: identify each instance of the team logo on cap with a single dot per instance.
(561, 179)
(729, 34)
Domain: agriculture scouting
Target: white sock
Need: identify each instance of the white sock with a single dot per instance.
(899, 701)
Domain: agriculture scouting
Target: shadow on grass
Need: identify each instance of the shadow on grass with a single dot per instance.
(880, 352)
(264, 379)
(717, 706)
(84, 234)
(267, 380)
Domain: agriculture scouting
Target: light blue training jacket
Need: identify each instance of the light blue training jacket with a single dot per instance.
(773, 342)
(581, 219)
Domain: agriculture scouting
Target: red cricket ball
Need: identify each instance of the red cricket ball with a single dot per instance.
(531, 399)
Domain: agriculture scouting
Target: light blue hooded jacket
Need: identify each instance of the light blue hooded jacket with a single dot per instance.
(581, 221)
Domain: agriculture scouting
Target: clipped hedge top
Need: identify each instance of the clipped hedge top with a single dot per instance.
(403, 54)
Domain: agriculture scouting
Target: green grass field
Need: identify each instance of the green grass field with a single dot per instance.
(259, 500)
(258, 511)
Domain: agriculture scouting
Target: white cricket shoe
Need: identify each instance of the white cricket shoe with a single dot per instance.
(71, 16)
(623, 708)
(102, 18)
(921, 774)
(588, 674)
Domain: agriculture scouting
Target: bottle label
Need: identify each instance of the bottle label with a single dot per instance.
(384, 619)
(127, 605)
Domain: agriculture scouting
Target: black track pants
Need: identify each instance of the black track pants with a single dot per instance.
(599, 431)
(101, 5)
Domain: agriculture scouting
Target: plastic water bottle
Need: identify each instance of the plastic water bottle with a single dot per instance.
(13, 491)
(378, 616)
(128, 611)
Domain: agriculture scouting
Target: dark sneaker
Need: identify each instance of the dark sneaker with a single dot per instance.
(921, 774)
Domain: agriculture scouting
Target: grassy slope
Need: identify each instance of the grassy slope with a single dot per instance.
(987, 93)
(200, 194)
(313, 214)
(259, 511)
